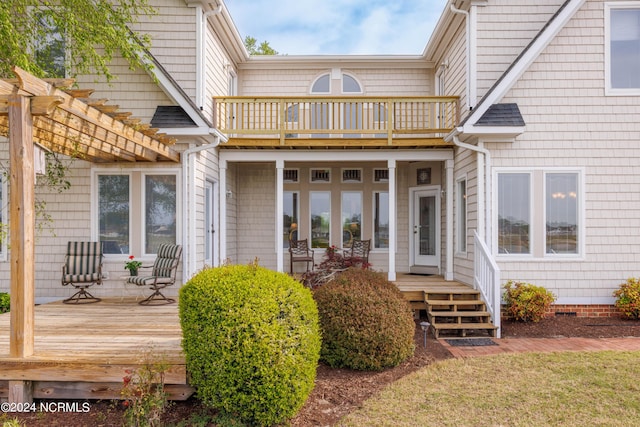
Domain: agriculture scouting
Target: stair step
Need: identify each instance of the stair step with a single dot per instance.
(465, 313)
(461, 303)
(462, 327)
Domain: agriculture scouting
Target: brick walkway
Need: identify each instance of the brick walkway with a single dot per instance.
(521, 345)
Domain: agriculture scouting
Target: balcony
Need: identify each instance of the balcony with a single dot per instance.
(336, 122)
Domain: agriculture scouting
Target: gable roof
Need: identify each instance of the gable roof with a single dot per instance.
(470, 125)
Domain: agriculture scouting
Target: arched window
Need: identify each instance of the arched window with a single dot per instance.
(322, 84)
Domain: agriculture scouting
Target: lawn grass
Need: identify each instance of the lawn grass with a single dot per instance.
(533, 389)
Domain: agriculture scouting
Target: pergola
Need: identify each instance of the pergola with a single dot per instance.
(35, 111)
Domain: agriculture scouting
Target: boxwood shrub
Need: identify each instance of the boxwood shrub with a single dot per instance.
(251, 341)
(5, 301)
(526, 302)
(365, 322)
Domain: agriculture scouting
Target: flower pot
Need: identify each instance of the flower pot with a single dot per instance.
(133, 271)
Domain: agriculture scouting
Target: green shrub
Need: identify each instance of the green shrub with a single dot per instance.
(628, 298)
(4, 302)
(526, 302)
(365, 322)
(251, 340)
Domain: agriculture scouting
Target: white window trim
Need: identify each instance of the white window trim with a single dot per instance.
(309, 218)
(532, 225)
(540, 219)
(139, 237)
(608, 90)
(581, 229)
(458, 251)
(373, 222)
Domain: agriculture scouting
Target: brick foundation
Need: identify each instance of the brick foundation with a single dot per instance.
(595, 310)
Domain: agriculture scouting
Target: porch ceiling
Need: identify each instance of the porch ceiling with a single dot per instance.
(66, 121)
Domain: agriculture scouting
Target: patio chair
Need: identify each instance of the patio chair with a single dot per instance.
(163, 274)
(82, 269)
(358, 253)
(299, 252)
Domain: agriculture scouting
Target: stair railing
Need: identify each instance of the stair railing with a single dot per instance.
(486, 279)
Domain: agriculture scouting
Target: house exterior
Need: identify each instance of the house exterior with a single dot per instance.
(509, 141)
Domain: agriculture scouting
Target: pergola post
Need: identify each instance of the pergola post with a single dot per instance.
(22, 220)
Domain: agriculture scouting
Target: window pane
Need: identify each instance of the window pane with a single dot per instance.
(321, 85)
(462, 216)
(113, 213)
(625, 48)
(381, 220)
(160, 211)
(349, 84)
(514, 213)
(50, 50)
(562, 213)
(320, 218)
(290, 218)
(351, 217)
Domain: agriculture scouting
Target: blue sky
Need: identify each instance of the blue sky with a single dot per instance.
(359, 27)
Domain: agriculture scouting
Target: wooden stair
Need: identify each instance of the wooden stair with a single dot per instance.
(458, 314)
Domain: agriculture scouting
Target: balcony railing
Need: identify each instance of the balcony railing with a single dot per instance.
(387, 119)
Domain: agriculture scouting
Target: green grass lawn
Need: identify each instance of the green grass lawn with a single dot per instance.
(534, 389)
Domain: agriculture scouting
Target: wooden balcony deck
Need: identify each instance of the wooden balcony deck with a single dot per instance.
(82, 351)
(336, 122)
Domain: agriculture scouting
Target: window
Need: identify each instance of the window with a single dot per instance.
(321, 175)
(351, 175)
(50, 50)
(351, 217)
(623, 47)
(290, 175)
(514, 213)
(462, 216)
(160, 211)
(540, 213)
(381, 220)
(561, 213)
(322, 84)
(141, 201)
(113, 213)
(320, 202)
(350, 84)
(290, 217)
(381, 175)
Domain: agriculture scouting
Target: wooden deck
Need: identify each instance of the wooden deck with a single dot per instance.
(82, 351)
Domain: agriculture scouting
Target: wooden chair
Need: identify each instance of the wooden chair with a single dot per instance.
(163, 274)
(299, 252)
(82, 269)
(358, 253)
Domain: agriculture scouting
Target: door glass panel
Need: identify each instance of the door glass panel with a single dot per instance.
(381, 220)
(113, 213)
(351, 217)
(427, 227)
(160, 211)
(290, 217)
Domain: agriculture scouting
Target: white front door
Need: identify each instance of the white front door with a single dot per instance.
(425, 227)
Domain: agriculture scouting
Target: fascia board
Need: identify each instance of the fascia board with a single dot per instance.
(493, 131)
(334, 156)
(346, 61)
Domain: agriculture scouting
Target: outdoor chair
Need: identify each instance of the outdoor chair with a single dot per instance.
(358, 253)
(163, 274)
(299, 252)
(82, 269)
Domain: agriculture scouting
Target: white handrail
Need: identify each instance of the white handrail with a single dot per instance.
(486, 278)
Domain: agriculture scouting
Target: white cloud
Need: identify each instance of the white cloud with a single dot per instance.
(308, 27)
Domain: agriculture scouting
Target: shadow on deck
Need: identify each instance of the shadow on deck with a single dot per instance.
(82, 351)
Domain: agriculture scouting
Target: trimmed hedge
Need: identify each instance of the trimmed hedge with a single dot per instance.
(365, 322)
(251, 340)
(628, 298)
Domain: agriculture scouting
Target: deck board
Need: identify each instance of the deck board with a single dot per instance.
(97, 343)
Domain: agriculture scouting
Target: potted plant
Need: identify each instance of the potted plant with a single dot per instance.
(132, 265)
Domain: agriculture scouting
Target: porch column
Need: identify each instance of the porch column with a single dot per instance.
(391, 275)
(222, 164)
(22, 221)
(448, 273)
(279, 214)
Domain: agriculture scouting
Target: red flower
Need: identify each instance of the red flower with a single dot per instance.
(130, 256)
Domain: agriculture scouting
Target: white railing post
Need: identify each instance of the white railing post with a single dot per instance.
(487, 279)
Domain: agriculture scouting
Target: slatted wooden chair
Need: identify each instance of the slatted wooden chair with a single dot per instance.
(163, 274)
(299, 251)
(82, 269)
(358, 253)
